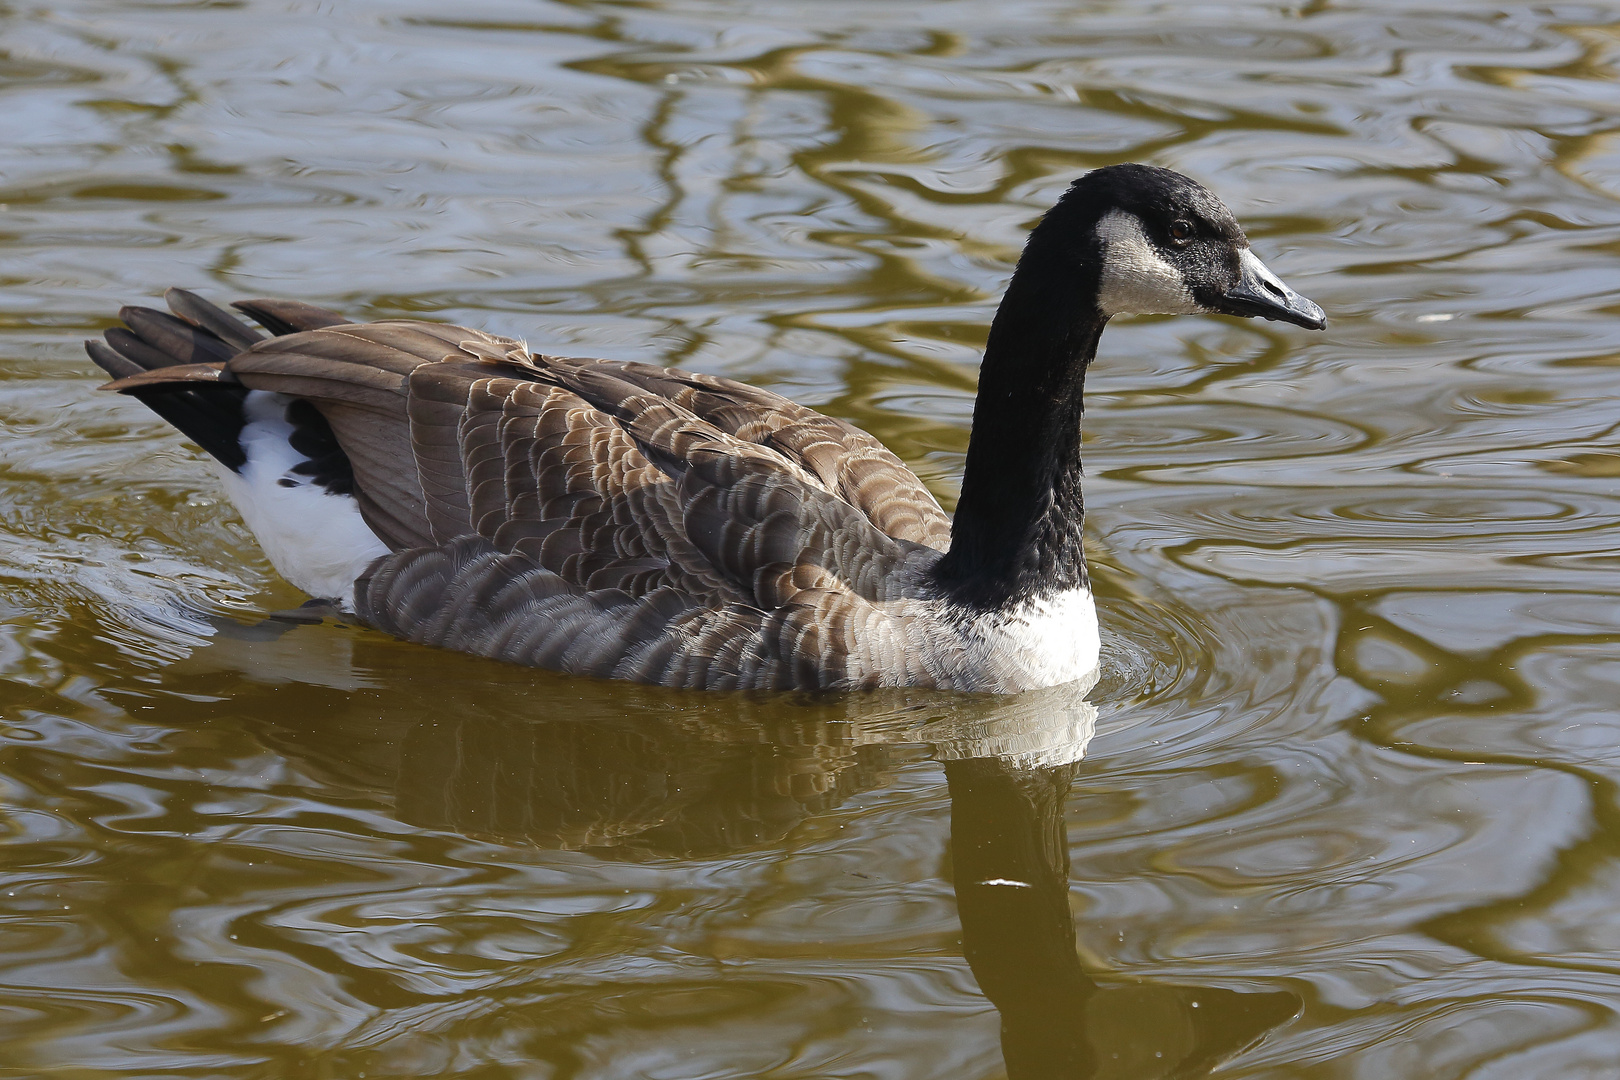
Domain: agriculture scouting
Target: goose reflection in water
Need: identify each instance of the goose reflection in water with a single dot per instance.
(1010, 862)
(646, 774)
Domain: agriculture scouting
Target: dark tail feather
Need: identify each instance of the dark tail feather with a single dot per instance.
(205, 409)
(177, 340)
(208, 413)
(212, 318)
(133, 349)
(175, 364)
(111, 360)
(289, 316)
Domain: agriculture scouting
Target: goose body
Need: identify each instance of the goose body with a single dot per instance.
(617, 519)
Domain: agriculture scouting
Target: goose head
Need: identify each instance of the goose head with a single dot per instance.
(1163, 244)
(1123, 240)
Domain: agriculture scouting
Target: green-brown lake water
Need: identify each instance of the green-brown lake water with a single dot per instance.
(1347, 805)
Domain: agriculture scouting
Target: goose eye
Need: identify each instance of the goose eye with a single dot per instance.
(1181, 230)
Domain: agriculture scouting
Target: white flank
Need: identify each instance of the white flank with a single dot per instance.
(1136, 279)
(1005, 881)
(315, 540)
(1048, 641)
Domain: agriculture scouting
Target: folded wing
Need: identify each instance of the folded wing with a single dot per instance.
(604, 517)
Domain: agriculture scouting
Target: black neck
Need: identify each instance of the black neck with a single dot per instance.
(1017, 532)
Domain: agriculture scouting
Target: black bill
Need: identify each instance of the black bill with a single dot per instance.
(1261, 294)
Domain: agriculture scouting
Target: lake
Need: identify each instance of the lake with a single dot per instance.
(1344, 802)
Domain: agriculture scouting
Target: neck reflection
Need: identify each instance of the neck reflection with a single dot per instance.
(1010, 864)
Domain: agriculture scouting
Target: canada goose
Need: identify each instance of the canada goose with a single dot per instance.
(617, 519)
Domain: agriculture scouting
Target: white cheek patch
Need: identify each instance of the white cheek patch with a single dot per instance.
(1136, 279)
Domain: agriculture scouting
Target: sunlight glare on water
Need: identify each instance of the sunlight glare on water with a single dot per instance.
(1347, 805)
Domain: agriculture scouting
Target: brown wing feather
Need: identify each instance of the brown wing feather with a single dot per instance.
(357, 375)
(601, 517)
(845, 460)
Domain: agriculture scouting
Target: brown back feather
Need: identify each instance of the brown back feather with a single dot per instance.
(606, 517)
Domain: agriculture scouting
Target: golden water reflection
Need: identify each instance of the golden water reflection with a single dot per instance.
(688, 776)
(1353, 788)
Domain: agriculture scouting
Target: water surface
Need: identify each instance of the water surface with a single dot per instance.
(1343, 803)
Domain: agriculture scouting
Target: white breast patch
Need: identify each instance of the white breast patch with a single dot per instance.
(1047, 641)
(1136, 279)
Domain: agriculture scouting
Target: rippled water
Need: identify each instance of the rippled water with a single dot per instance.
(1350, 809)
